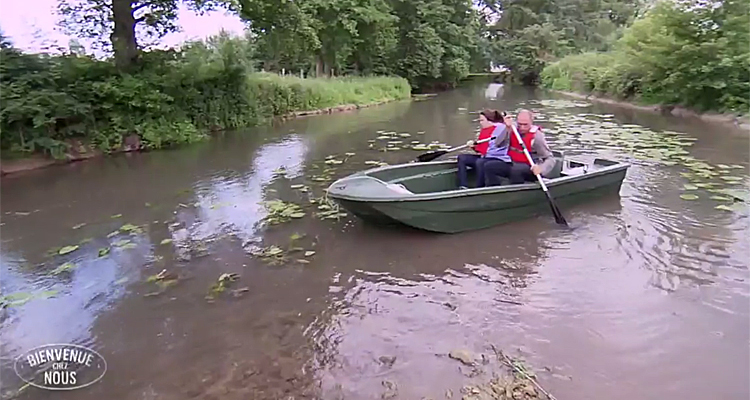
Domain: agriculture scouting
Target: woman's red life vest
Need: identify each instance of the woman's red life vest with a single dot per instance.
(515, 151)
(485, 133)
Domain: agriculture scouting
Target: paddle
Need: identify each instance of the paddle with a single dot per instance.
(429, 156)
(555, 211)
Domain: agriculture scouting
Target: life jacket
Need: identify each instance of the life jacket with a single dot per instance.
(516, 150)
(485, 133)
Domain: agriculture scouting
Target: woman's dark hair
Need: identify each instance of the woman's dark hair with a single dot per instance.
(493, 115)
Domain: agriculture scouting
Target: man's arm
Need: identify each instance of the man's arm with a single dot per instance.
(542, 149)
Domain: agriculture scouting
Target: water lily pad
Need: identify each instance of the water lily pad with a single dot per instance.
(688, 186)
(297, 215)
(103, 251)
(67, 249)
(689, 197)
(721, 198)
(723, 207)
(297, 186)
(705, 185)
(129, 228)
(350, 154)
(372, 162)
(723, 166)
(404, 134)
(117, 216)
(121, 243)
(731, 178)
(79, 226)
(302, 261)
(166, 241)
(383, 137)
(309, 253)
(67, 267)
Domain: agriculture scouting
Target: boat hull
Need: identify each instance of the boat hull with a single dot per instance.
(455, 211)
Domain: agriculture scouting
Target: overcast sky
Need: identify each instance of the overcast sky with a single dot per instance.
(32, 24)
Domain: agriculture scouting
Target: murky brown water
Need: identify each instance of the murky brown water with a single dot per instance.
(647, 298)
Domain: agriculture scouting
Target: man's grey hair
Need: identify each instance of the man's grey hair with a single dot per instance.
(526, 111)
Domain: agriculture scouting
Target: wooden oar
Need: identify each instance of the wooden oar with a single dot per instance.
(429, 156)
(555, 211)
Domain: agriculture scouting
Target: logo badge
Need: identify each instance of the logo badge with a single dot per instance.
(60, 366)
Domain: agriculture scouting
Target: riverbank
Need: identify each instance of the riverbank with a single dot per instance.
(78, 150)
(739, 121)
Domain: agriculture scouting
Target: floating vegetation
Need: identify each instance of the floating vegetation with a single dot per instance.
(165, 241)
(329, 209)
(116, 216)
(79, 226)
(280, 211)
(122, 243)
(130, 228)
(221, 285)
(273, 255)
(20, 298)
(67, 267)
(103, 251)
(163, 280)
(67, 249)
(689, 196)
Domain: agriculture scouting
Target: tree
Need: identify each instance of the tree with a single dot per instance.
(119, 23)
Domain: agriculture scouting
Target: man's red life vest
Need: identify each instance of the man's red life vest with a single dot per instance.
(485, 133)
(515, 151)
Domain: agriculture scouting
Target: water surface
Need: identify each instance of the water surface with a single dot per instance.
(646, 298)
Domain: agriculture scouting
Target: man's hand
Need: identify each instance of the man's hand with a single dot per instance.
(470, 143)
(508, 121)
(536, 169)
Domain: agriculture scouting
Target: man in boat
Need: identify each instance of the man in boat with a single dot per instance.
(520, 170)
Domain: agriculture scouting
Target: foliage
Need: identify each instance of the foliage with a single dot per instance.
(533, 33)
(117, 24)
(425, 41)
(175, 97)
(686, 54)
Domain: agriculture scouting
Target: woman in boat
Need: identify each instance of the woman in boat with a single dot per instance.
(496, 163)
(517, 167)
(488, 120)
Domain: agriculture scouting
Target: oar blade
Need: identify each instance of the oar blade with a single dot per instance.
(431, 155)
(556, 211)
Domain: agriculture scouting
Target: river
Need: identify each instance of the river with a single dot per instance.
(646, 298)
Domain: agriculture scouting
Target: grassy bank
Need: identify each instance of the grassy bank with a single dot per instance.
(673, 56)
(61, 106)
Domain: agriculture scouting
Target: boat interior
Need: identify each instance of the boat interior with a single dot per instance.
(420, 178)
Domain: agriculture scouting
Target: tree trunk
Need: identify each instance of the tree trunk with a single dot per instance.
(319, 66)
(123, 36)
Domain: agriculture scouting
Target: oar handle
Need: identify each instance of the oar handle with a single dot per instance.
(528, 156)
(466, 145)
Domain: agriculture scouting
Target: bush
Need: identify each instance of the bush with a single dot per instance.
(174, 98)
(684, 55)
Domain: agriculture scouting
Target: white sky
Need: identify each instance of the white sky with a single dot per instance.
(32, 24)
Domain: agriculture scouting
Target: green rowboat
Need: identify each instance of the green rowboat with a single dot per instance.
(425, 195)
